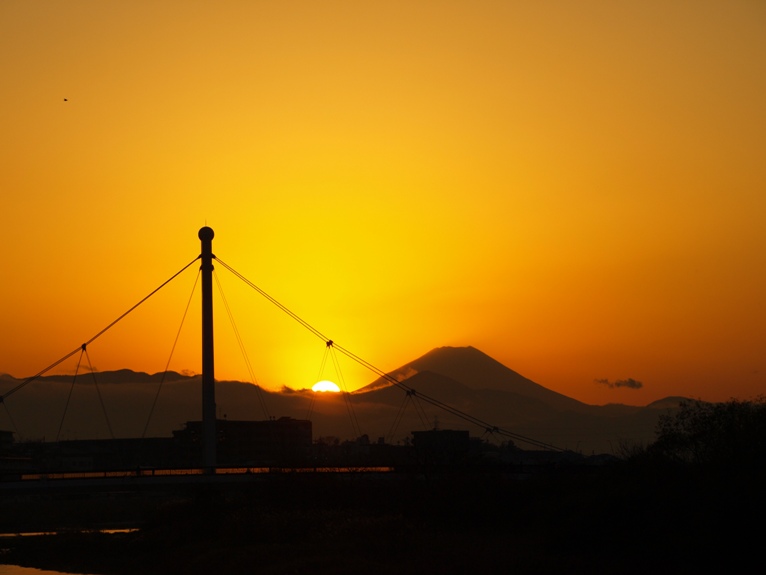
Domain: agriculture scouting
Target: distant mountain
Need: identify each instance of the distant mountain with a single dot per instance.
(134, 404)
(471, 381)
(122, 376)
(477, 371)
(667, 402)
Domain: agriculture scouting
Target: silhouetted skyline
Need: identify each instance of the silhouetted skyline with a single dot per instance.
(130, 404)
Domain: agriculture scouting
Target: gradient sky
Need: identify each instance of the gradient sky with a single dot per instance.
(577, 189)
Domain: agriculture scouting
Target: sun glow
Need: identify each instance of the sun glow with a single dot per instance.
(299, 101)
(325, 385)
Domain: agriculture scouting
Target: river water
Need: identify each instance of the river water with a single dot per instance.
(16, 570)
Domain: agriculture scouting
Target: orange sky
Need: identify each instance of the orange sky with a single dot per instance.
(575, 188)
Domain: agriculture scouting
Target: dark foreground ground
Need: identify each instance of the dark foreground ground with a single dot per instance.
(619, 519)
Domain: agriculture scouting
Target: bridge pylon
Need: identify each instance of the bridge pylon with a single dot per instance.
(208, 359)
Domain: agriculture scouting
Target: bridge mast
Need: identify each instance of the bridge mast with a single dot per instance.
(208, 371)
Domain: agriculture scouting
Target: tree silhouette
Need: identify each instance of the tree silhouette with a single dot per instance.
(732, 433)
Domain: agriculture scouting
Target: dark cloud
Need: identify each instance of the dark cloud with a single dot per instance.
(630, 383)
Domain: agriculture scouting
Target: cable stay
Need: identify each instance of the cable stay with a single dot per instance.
(356, 428)
(320, 377)
(84, 352)
(419, 409)
(344, 391)
(293, 315)
(489, 432)
(410, 397)
(69, 395)
(98, 392)
(242, 349)
(397, 419)
(95, 337)
(433, 401)
(170, 357)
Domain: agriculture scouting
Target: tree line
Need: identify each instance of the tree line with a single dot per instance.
(731, 433)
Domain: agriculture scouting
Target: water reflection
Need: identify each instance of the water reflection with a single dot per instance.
(37, 533)
(16, 570)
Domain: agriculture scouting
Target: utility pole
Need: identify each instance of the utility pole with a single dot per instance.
(208, 370)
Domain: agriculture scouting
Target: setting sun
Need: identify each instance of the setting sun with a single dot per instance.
(325, 385)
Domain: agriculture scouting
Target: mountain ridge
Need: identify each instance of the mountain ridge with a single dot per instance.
(463, 378)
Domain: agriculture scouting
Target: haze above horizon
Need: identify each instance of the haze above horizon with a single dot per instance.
(576, 189)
